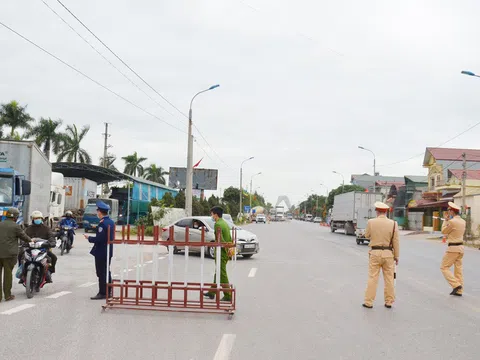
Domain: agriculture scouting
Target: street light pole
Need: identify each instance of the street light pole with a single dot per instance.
(241, 188)
(326, 197)
(189, 180)
(374, 170)
(251, 182)
(343, 180)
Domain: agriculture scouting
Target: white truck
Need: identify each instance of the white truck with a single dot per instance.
(57, 199)
(351, 212)
(279, 213)
(78, 191)
(25, 176)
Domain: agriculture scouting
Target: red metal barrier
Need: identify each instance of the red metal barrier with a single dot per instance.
(167, 295)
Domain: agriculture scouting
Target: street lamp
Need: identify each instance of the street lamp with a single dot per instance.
(374, 171)
(241, 188)
(251, 181)
(326, 198)
(189, 182)
(343, 180)
(469, 73)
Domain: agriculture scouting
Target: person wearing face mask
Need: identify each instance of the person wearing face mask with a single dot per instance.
(39, 230)
(105, 227)
(68, 220)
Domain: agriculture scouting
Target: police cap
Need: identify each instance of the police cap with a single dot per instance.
(453, 206)
(381, 206)
(102, 206)
(12, 213)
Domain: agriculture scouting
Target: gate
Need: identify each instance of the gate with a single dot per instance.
(159, 292)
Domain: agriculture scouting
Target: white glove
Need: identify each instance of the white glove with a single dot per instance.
(38, 245)
(31, 244)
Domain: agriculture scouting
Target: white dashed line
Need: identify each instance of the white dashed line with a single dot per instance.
(225, 347)
(161, 258)
(18, 309)
(252, 272)
(149, 262)
(88, 284)
(59, 294)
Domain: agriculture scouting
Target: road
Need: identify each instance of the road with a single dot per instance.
(302, 301)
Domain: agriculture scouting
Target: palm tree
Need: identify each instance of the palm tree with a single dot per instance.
(110, 160)
(155, 174)
(70, 147)
(133, 164)
(47, 136)
(15, 116)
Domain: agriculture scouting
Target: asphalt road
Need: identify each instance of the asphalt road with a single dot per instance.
(300, 298)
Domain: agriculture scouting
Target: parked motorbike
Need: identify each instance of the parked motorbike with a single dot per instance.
(65, 235)
(35, 266)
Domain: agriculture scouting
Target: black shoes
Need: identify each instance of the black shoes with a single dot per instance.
(388, 306)
(367, 306)
(456, 290)
(98, 297)
(209, 295)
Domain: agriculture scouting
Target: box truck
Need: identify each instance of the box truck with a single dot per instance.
(78, 191)
(351, 212)
(25, 177)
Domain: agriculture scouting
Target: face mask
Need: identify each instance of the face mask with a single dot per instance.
(213, 219)
(38, 221)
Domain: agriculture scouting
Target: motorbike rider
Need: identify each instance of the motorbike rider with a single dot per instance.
(68, 220)
(39, 230)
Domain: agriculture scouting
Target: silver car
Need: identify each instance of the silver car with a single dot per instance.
(247, 242)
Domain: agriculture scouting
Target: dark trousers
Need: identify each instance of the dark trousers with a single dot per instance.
(101, 269)
(6, 266)
(224, 283)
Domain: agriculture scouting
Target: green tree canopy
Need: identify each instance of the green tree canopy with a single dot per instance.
(156, 174)
(71, 149)
(15, 116)
(133, 164)
(47, 135)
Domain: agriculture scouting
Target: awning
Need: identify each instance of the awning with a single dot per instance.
(424, 204)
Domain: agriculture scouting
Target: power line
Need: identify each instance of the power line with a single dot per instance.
(103, 56)
(445, 142)
(89, 78)
(141, 78)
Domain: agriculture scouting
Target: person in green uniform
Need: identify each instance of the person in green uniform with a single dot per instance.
(222, 230)
(10, 233)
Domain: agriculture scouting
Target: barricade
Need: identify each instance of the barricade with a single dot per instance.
(164, 294)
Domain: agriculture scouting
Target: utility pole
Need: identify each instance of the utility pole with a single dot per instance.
(464, 198)
(105, 154)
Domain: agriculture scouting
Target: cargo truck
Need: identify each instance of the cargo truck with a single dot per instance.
(351, 211)
(25, 177)
(57, 199)
(78, 191)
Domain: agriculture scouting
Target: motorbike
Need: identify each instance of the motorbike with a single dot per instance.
(35, 266)
(64, 235)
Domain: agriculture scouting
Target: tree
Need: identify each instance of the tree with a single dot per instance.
(111, 158)
(133, 164)
(168, 200)
(213, 201)
(155, 174)
(70, 146)
(15, 116)
(47, 136)
(180, 200)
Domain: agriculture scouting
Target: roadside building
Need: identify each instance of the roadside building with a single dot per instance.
(382, 183)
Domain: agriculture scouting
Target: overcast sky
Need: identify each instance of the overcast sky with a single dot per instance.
(303, 83)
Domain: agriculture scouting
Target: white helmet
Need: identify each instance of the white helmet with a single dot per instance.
(69, 213)
(37, 215)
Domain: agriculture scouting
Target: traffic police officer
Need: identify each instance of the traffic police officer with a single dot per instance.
(10, 233)
(454, 228)
(384, 244)
(99, 251)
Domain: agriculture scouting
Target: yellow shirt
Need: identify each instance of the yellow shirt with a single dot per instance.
(454, 229)
(379, 231)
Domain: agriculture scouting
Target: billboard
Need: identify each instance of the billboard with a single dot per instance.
(203, 179)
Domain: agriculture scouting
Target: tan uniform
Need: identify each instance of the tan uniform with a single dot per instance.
(454, 229)
(379, 231)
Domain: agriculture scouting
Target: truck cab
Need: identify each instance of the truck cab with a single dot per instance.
(90, 219)
(13, 189)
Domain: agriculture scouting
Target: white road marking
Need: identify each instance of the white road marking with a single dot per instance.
(161, 258)
(59, 294)
(252, 272)
(225, 347)
(88, 284)
(18, 309)
(149, 262)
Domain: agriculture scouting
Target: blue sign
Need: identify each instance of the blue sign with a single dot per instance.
(254, 211)
(246, 208)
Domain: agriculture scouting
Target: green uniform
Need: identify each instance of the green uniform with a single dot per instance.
(221, 229)
(10, 233)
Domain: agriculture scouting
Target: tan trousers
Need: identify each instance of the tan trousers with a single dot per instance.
(387, 264)
(455, 259)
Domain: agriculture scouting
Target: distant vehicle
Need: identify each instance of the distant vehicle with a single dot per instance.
(308, 217)
(351, 212)
(228, 218)
(289, 216)
(261, 218)
(90, 219)
(317, 219)
(247, 242)
(57, 200)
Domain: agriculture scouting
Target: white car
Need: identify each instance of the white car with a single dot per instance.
(261, 218)
(247, 242)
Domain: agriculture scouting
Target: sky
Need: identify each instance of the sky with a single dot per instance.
(302, 83)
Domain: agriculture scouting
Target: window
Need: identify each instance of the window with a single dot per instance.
(59, 199)
(438, 180)
(432, 182)
(185, 223)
